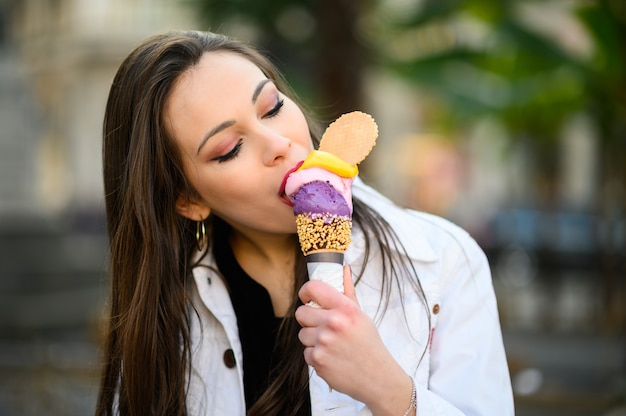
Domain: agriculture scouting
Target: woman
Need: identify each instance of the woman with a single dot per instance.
(208, 309)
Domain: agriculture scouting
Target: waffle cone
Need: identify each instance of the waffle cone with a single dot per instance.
(351, 137)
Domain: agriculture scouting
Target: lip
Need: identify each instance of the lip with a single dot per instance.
(281, 190)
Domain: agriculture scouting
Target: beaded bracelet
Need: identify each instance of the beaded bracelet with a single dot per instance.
(413, 404)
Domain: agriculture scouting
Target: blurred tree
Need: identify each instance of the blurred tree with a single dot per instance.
(521, 63)
(497, 58)
(316, 42)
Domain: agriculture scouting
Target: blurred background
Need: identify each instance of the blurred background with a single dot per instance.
(507, 117)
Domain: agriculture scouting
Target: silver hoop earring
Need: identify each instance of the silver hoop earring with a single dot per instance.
(201, 237)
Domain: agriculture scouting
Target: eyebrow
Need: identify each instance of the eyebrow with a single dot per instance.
(224, 125)
(258, 89)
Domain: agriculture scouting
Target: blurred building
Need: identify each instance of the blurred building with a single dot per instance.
(63, 55)
(57, 61)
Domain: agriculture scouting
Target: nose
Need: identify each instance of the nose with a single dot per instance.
(276, 147)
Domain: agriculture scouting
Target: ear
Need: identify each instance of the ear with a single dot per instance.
(191, 209)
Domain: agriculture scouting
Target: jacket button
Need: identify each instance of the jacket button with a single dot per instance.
(229, 358)
(436, 309)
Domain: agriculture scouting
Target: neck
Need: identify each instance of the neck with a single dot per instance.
(271, 249)
(269, 260)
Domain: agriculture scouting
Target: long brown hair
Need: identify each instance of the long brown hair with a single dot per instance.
(147, 343)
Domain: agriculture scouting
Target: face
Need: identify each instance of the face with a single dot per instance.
(239, 137)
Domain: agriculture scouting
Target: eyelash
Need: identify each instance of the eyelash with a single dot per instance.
(231, 154)
(276, 110)
(235, 150)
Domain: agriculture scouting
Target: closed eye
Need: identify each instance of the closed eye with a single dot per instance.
(231, 154)
(275, 110)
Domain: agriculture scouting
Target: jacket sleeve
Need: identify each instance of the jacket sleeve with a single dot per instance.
(468, 369)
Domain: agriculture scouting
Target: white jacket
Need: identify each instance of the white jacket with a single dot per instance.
(464, 370)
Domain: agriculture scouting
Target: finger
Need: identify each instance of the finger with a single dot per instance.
(305, 293)
(308, 355)
(308, 316)
(316, 358)
(323, 294)
(307, 336)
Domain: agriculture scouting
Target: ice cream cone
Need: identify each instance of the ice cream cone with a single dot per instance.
(321, 193)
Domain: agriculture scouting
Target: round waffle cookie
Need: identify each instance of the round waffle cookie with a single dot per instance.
(351, 137)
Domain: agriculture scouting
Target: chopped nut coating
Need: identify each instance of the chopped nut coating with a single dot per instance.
(323, 232)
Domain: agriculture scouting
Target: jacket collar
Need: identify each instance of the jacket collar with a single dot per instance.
(411, 233)
(214, 293)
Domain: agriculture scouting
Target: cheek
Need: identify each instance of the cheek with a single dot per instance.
(229, 187)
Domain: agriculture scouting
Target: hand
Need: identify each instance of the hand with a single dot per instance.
(344, 347)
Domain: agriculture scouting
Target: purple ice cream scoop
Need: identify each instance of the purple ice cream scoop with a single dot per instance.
(319, 197)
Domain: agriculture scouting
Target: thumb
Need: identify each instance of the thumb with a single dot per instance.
(348, 285)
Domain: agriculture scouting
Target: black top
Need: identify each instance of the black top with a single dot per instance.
(257, 324)
(255, 318)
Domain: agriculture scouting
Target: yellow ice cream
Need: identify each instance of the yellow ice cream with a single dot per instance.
(329, 162)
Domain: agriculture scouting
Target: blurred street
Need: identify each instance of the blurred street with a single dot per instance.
(563, 362)
(567, 374)
(52, 292)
